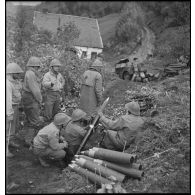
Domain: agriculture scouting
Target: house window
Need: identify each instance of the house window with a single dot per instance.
(84, 54)
(93, 55)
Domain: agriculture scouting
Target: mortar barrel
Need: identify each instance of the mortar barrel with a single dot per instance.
(100, 170)
(90, 175)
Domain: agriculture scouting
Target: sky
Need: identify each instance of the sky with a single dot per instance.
(30, 3)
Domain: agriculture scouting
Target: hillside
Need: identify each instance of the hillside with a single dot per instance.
(107, 26)
(163, 147)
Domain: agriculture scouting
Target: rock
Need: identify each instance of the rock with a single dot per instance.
(25, 164)
(12, 186)
(61, 190)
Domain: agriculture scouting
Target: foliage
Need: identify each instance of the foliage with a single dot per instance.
(89, 9)
(174, 13)
(129, 26)
(24, 41)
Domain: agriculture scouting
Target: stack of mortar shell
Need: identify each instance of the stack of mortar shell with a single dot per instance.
(103, 166)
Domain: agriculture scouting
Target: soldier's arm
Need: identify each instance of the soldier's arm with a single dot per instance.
(81, 131)
(9, 108)
(98, 89)
(34, 87)
(54, 142)
(62, 80)
(46, 81)
(111, 124)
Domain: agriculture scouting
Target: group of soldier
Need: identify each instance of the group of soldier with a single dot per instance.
(58, 136)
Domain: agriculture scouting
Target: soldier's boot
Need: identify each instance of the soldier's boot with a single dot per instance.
(43, 162)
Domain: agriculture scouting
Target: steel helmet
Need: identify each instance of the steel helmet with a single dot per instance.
(97, 63)
(34, 61)
(133, 107)
(55, 62)
(61, 118)
(78, 114)
(13, 68)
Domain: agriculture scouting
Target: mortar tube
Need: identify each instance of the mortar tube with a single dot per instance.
(112, 156)
(134, 173)
(100, 170)
(129, 165)
(94, 178)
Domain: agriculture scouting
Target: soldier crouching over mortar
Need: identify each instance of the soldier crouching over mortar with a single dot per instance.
(124, 130)
(74, 131)
(46, 143)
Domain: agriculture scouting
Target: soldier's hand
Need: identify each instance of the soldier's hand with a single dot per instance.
(62, 139)
(10, 117)
(65, 144)
(100, 113)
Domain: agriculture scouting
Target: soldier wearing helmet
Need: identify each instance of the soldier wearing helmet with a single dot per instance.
(124, 130)
(32, 97)
(13, 98)
(53, 82)
(92, 88)
(46, 143)
(74, 131)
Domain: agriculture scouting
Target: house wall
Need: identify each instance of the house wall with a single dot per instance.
(88, 50)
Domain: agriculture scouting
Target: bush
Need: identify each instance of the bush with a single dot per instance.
(128, 27)
(43, 44)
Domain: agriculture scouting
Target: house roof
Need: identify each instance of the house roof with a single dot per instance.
(89, 28)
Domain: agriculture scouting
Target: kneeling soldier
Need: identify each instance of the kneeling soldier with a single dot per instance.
(46, 143)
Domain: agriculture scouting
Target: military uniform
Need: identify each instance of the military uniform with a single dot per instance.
(52, 100)
(46, 143)
(91, 90)
(13, 99)
(124, 130)
(32, 98)
(74, 135)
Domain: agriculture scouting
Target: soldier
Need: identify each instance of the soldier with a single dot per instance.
(91, 89)
(135, 69)
(46, 143)
(124, 130)
(53, 82)
(74, 132)
(32, 97)
(13, 98)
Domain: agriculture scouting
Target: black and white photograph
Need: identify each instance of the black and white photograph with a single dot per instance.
(97, 97)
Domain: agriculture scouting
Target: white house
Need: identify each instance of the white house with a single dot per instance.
(89, 43)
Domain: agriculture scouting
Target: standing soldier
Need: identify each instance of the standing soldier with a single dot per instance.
(53, 82)
(32, 98)
(13, 98)
(91, 89)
